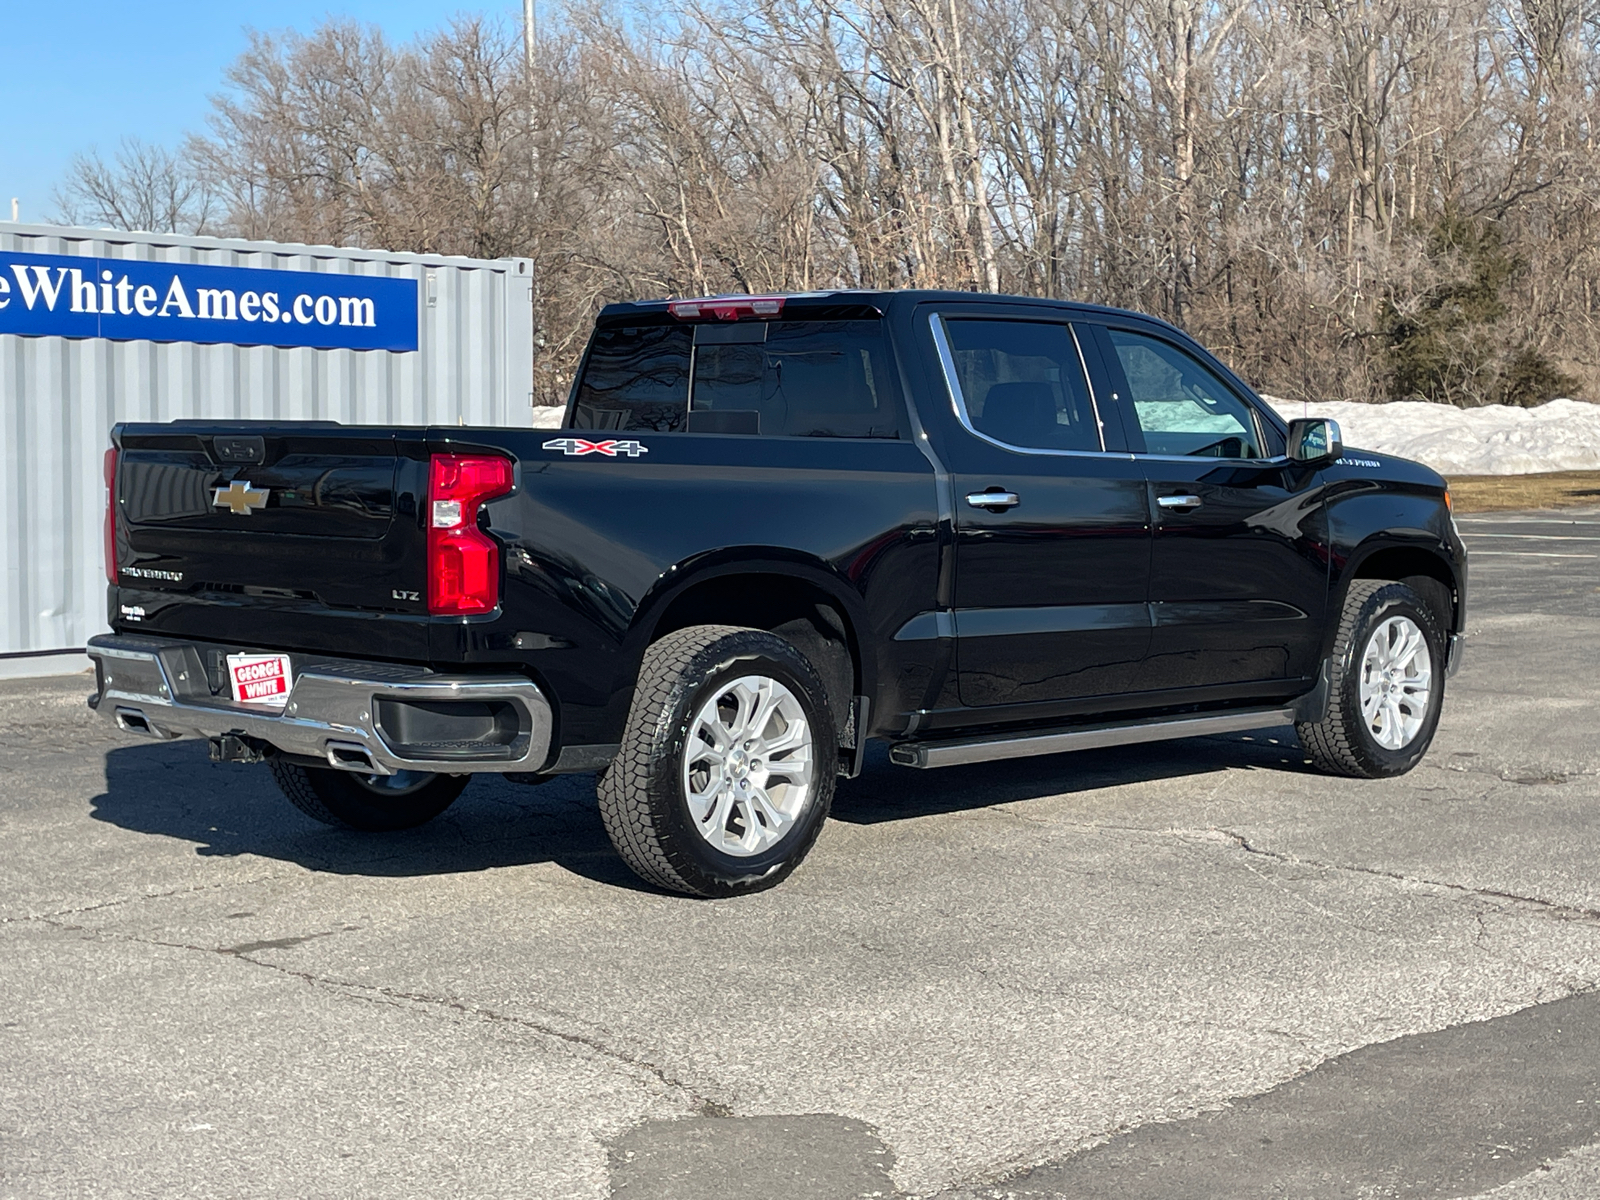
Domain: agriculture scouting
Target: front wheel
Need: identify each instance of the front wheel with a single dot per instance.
(727, 764)
(1386, 685)
(372, 803)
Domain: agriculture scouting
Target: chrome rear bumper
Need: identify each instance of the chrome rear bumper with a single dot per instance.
(159, 687)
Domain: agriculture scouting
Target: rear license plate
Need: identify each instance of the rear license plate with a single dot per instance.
(263, 679)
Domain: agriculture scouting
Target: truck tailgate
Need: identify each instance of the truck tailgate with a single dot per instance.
(306, 529)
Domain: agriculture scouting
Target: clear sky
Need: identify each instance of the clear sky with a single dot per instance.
(82, 73)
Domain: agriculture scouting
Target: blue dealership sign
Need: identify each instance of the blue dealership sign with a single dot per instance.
(52, 295)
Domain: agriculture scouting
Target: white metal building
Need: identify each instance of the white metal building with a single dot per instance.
(83, 346)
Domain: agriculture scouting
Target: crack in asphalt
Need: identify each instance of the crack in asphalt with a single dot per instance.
(121, 900)
(1087, 997)
(1568, 911)
(1565, 987)
(284, 943)
(376, 993)
(1240, 841)
(1525, 779)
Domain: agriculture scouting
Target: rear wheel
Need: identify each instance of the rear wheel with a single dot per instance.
(372, 803)
(1386, 685)
(727, 764)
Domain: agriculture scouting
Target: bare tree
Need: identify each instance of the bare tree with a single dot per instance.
(1348, 198)
(143, 187)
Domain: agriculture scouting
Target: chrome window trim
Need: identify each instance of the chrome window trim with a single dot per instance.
(1088, 386)
(1193, 458)
(958, 401)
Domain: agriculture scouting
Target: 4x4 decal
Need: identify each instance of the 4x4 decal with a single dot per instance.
(578, 446)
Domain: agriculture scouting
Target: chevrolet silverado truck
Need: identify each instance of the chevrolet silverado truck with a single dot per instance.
(772, 530)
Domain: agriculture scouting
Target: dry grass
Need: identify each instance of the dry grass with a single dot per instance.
(1503, 493)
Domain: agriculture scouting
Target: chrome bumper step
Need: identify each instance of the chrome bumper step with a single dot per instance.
(158, 687)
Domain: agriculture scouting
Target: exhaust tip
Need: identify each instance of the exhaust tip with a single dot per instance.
(904, 755)
(352, 756)
(131, 720)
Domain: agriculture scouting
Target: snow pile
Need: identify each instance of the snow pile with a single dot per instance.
(1563, 435)
(548, 416)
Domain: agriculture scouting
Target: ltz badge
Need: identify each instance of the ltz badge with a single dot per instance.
(576, 447)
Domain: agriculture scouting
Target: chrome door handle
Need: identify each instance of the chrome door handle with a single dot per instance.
(993, 499)
(1179, 503)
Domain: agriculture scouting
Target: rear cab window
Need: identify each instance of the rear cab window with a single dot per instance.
(634, 377)
(780, 378)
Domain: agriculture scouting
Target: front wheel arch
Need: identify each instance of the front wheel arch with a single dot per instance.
(1410, 564)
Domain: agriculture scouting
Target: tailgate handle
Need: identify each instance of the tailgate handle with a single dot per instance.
(237, 449)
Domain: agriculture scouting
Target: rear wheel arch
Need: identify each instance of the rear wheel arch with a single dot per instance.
(801, 603)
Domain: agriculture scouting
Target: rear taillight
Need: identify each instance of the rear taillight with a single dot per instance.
(726, 308)
(111, 515)
(463, 561)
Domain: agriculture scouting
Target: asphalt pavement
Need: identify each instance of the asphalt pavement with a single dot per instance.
(1195, 969)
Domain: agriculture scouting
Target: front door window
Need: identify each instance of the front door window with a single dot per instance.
(1182, 406)
(1238, 569)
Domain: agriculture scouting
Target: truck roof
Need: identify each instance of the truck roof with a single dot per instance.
(838, 304)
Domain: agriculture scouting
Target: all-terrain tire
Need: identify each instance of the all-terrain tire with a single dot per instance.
(1343, 743)
(377, 805)
(642, 794)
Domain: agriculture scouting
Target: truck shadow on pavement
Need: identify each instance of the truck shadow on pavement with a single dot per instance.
(888, 793)
(225, 809)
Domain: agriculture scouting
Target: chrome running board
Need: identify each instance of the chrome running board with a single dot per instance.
(971, 750)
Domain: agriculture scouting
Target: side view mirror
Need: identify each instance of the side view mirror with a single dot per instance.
(1314, 440)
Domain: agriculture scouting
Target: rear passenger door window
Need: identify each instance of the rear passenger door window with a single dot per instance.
(1022, 384)
(1182, 407)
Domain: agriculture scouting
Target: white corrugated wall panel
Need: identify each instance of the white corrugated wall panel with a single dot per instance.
(59, 398)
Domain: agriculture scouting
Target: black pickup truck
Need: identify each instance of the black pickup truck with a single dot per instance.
(771, 530)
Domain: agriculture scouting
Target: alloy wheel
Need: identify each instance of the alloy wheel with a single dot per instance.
(748, 766)
(1396, 682)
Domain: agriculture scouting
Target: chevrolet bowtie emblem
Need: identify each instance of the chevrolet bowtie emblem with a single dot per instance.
(239, 497)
